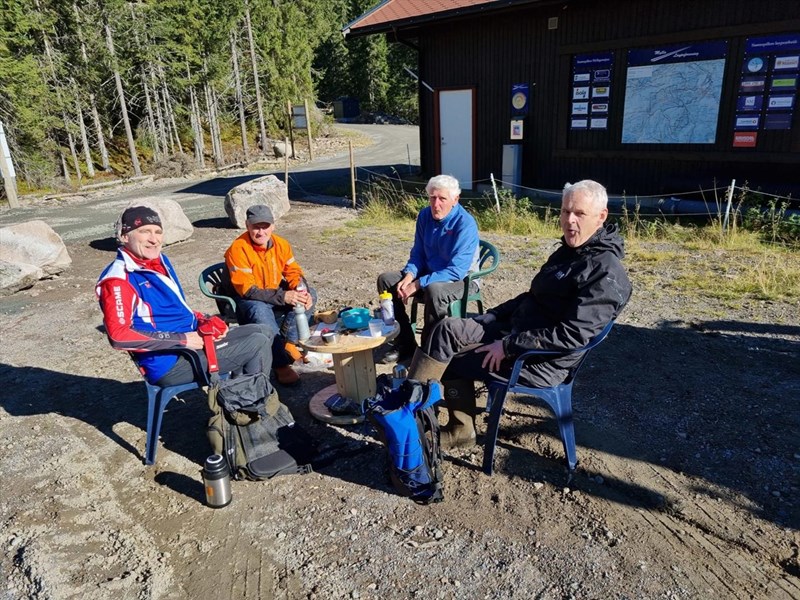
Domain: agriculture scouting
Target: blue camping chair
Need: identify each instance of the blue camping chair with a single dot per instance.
(558, 398)
(158, 398)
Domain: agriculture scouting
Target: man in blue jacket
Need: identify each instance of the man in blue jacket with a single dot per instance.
(445, 250)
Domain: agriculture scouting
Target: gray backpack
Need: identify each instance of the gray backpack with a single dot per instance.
(254, 431)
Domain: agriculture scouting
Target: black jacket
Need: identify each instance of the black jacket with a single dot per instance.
(572, 297)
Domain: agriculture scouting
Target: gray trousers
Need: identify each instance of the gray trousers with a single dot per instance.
(437, 298)
(453, 341)
(246, 349)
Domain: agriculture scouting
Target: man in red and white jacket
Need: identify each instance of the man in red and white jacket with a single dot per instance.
(145, 311)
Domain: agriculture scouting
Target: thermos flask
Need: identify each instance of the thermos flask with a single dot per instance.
(217, 480)
(301, 319)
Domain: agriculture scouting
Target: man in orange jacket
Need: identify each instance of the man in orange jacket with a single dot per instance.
(266, 277)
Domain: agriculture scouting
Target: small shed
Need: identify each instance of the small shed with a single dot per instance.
(646, 96)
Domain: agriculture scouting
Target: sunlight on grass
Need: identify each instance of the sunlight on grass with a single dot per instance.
(732, 264)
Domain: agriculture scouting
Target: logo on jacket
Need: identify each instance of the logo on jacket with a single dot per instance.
(560, 275)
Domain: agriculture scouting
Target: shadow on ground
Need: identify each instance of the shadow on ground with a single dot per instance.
(720, 407)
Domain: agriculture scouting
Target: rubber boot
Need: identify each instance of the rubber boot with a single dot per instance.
(424, 368)
(459, 395)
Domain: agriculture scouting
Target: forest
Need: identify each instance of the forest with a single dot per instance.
(103, 87)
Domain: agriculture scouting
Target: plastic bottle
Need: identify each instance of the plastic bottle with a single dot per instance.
(300, 317)
(387, 308)
(217, 480)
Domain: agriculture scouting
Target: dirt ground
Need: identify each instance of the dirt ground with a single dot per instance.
(687, 423)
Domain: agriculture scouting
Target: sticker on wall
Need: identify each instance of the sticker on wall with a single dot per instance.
(519, 99)
(591, 80)
(772, 66)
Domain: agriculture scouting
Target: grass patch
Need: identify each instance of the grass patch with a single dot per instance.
(733, 263)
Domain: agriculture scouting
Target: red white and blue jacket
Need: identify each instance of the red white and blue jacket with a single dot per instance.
(144, 310)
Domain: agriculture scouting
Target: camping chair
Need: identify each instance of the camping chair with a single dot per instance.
(488, 260)
(558, 398)
(214, 280)
(159, 397)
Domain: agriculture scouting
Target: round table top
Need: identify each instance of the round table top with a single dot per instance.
(351, 342)
(318, 410)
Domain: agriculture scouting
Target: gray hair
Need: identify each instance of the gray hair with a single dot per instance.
(593, 189)
(444, 182)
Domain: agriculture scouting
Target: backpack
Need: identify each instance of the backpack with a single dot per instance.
(406, 424)
(255, 431)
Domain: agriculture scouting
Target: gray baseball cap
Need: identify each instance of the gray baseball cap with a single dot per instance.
(260, 213)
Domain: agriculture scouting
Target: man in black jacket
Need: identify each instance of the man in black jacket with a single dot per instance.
(580, 288)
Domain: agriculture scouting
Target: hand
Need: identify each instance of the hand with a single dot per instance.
(293, 298)
(494, 355)
(406, 289)
(194, 340)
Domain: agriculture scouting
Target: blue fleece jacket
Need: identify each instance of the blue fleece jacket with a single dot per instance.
(446, 250)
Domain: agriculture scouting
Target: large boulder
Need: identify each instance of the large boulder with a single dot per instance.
(30, 251)
(267, 190)
(176, 225)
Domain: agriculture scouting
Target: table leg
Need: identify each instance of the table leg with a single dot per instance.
(355, 374)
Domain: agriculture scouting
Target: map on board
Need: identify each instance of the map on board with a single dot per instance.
(675, 103)
(672, 93)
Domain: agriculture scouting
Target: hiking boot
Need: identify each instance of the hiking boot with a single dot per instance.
(459, 396)
(286, 375)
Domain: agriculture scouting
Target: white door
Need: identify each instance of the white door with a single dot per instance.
(455, 131)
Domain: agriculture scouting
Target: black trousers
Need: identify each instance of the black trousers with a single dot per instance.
(454, 341)
(437, 298)
(246, 349)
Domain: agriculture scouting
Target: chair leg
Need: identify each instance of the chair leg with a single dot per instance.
(566, 427)
(154, 418)
(149, 449)
(497, 400)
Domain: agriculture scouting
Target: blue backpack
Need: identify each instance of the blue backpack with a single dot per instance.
(406, 425)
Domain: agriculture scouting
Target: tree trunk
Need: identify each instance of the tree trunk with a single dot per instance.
(239, 98)
(197, 128)
(137, 170)
(168, 110)
(51, 63)
(151, 121)
(87, 153)
(262, 127)
(101, 142)
(161, 126)
(216, 143)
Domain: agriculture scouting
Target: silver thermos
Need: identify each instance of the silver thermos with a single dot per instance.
(399, 375)
(217, 480)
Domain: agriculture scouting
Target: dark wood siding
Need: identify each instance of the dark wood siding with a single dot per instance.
(492, 52)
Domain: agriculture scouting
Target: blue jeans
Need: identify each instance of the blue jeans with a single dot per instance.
(279, 320)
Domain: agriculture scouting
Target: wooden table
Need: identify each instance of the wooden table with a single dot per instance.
(354, 368)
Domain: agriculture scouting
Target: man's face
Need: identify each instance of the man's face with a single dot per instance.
(441, 203)
(260, 233)
(580, 218)
(144, 242)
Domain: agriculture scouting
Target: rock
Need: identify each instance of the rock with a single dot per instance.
(280, 148)
(267, 190)
(175, 223)
(30, 251)
(19, 276)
